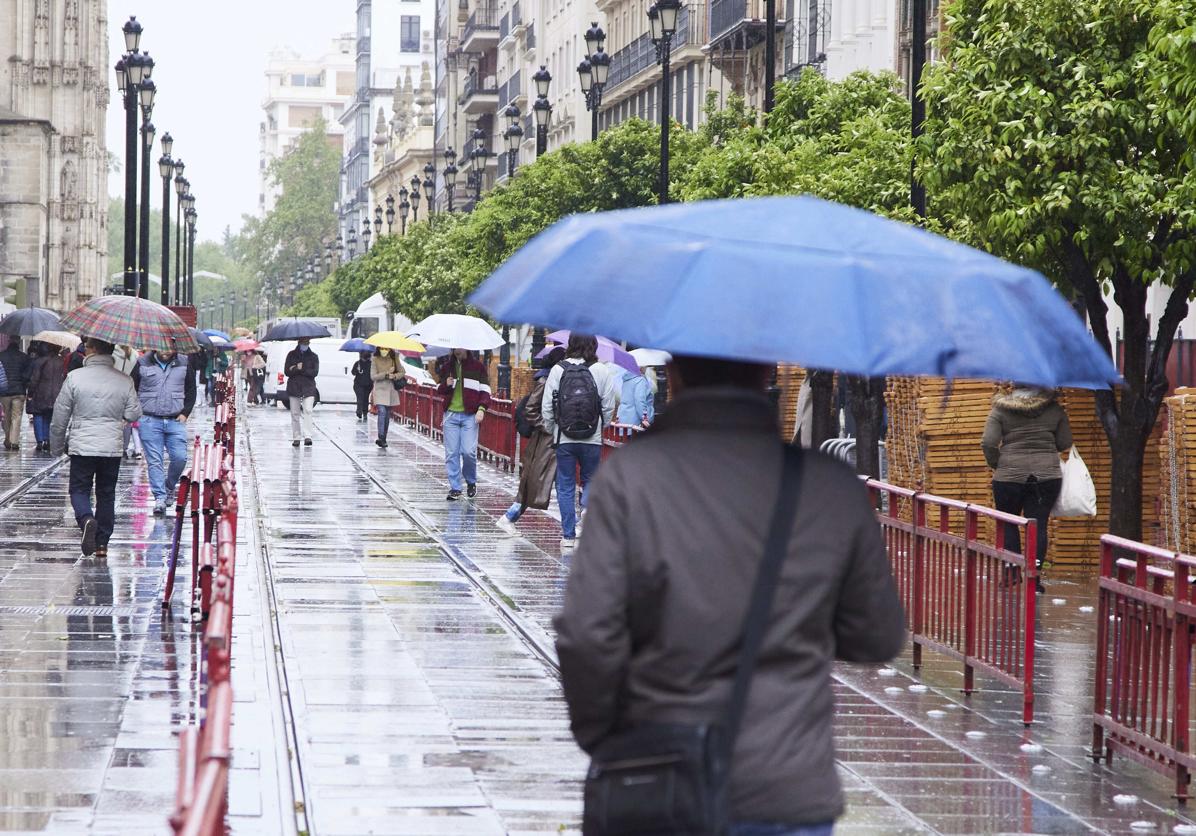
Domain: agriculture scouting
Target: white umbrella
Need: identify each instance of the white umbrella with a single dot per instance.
(446, 331)
(648, 357)
(63, 339)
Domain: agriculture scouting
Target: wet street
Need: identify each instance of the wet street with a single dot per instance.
(394, 671)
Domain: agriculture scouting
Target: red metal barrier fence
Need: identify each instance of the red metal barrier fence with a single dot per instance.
(1146, 623)
(209, 486)
(966, 594)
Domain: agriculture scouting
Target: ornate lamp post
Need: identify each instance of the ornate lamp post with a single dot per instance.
(328, 258)
(365, 235)
(663, 19)
(404, 208)
(514, 137)
(352, 242)
(416, 185)
(450, 175)
(429, 185)
(130, 72)
(340, 250)
(146, 96)
(543, 80)
(191, 217)
(378, 221)
(593, 72)
(390, 214)
(166, 169)
(180, 188)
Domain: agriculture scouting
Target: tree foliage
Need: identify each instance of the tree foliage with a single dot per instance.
(1049, 142)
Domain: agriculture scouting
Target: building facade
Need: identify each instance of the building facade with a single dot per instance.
(393, 38)
(53, 159)
(300, 91)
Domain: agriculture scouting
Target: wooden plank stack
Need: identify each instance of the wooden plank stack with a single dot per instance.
(1177, 465)
(789, 379)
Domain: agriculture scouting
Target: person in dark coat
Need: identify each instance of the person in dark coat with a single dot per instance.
(44, 386)
(658, 587)
(363, 384)
(17, 370)
(301, 367)
(75, 359)
(538, 472)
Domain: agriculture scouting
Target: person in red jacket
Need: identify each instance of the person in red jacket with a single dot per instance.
(465, 387)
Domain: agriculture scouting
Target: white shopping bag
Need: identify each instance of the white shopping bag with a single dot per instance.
(1078, 496)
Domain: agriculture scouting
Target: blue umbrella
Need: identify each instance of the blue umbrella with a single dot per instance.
(357, 344)
(295, 329)
(212, 332)
(801, 280)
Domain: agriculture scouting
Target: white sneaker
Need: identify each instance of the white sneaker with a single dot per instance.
(506, 526)
(567, 543)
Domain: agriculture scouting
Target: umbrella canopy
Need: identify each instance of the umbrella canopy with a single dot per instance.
(213, 332)
(201, 339)
(295, 329)
(357, 345)
(25, 322)
(131, 321)
(800, 280)
(397, 342)
(447, 331)
(246, 345)
(608, 351)
(62, 339)
(648, 357)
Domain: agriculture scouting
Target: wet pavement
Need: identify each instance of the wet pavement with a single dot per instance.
(394, 672)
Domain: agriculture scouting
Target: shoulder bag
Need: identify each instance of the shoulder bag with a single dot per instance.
(671, 779)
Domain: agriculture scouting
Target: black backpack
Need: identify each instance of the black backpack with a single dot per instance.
(578, 404)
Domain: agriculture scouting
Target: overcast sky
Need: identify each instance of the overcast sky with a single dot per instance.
(210, 60)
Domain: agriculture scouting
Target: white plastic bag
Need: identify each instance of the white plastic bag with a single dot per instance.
(1078, 496)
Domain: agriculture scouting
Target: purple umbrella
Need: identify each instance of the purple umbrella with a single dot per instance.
(608, 351)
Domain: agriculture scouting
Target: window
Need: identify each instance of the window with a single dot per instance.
(302, 117)
(409, 34)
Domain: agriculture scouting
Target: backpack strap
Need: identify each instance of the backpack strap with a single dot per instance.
(755, 623)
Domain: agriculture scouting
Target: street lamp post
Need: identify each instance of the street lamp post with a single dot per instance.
(430, 188)
(328, 259)
(180, 188)
(130, 72)
(514, 136)
(365, 235)
(352, 242)
(378, 221)
(390, 214)
(450, 175)
(340, 250)
(415, 195)
(192, 216)
(663, 20)
(593, 72)
(404, 209)
(542, 108)
(146, 96)
(166, 169)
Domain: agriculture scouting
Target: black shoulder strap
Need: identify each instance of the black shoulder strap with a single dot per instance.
(755, 623)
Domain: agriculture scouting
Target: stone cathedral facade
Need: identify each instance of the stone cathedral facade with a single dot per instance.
(54, 90)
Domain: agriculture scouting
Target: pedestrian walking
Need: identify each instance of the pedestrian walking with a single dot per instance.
(388, 377)
(1025, 432)
(75, 360)
(363, 383)
(538, 469)
(301, 367)
(652, 638)
(579, 400)
(636, 407)
(257, 377)
(45, 383)
(90, 414)
(465, 387)
(166, 388)
(18, 369)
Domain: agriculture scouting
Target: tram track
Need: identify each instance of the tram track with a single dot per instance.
(13, 494)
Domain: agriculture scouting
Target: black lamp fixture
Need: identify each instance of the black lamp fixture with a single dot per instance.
(450, 174)
(352, 241)
(430, 187)
(542, 108)
(180, 188)
(415, 196)
(146, 95)
(327, 258)
(662, 17)
(166, 170)
(339, 246)
(593, 72)
(365, 235)
(514, 137)
(390, 213)
(378, 220)
(404, 208)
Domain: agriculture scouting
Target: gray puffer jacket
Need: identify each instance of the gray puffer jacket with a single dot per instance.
(1024, 435)
(92, 409)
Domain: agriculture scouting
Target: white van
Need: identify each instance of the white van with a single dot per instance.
(335, 381)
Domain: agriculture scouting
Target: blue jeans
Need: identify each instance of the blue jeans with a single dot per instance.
(383, 421)
(460, 449)
(159, 436)
(41, 427)
(568, 456)
(761, 828)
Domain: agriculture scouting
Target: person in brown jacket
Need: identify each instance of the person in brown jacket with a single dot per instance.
(537, 472)
(660, 582)
(1023, 437)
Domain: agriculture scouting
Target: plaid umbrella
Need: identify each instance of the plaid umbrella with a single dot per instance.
(128, 320)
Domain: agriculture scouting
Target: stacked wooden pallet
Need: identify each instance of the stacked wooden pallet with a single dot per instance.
(789, 379)
(1177, 464)
(1075, 542)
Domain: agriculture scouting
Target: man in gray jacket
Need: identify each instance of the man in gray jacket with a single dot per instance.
(90, 414)
(167, 390)
(659, 586)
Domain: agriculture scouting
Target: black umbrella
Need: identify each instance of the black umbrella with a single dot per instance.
(200, 337)
(26, 322)
(295, 329)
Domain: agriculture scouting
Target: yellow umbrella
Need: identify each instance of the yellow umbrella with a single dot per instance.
(395, 341)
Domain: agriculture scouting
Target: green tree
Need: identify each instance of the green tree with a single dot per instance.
(313, 300)
(1049, 142)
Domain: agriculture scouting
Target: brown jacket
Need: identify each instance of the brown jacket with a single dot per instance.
(538, 471)
(1024, 435)
(660, 582)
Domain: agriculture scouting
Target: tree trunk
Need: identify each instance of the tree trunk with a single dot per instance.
(1129, 452)
(822, 397)
(866, 399)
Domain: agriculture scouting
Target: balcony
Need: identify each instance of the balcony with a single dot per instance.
(738, 25)
(515, 92)
(529, 44)
(640, 54)
(504, 29)
(481, 32)
(479, 96)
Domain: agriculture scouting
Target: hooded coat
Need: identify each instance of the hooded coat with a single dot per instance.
(538, 470)
(45, 384)
(1024, 435)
